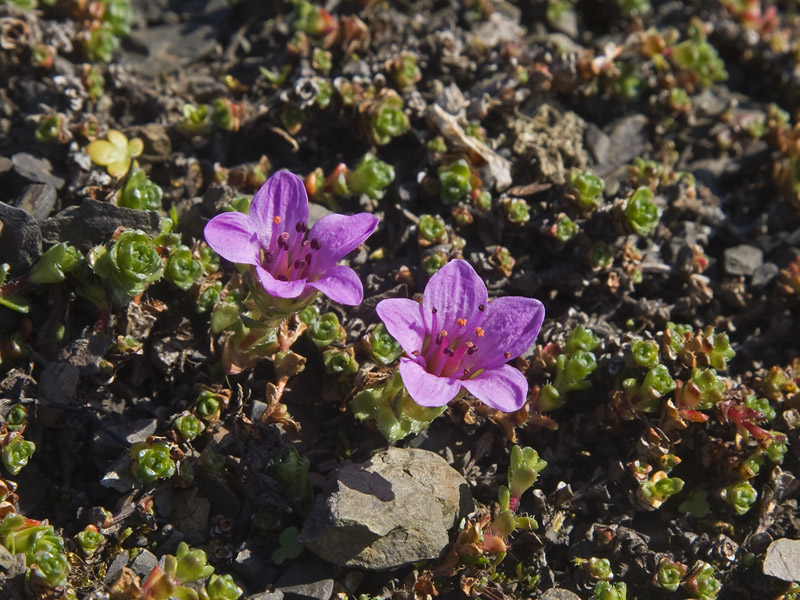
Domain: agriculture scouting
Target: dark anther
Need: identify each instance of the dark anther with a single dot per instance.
(301, 227)
(316, 244)
(434, 311)
(482, 307)
(439, 339)
(282, 278)
(472, 350)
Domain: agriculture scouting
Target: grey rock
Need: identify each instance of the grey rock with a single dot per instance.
(710, 171)
(115, 569)
(12, 574)
(783, 559)
(276, 595)
(316, 212)
(308, 580)
(248, 564)
(5, 165)
(559, 594)
(86, 353)
(709, 103)
(743, 260)
(20, 238)
(59, 381)
(500, 28)
(35, 170)
(395, 509)
(38, 199)
(627, 139)
(11, 565)
(168, 48)
(144, 562)
(764, 274)
(567, 24)
(597, 143)
(93, 222)
(156, 140)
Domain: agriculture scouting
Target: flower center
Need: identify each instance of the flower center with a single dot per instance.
(452, 351)
(290, 254)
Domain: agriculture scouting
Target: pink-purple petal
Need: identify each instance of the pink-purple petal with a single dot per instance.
(284, 196)
(403, 320)
(280, 289)
(426, 389)
(341, 284)
(234, 237)
(503, 388)
(339, 235)
(456, 292)
(510, 324)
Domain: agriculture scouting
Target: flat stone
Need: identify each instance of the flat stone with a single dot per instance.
(5, 165)
(783, 559)
(115, 568)
(59, 381)
(627, 139)
(20, 238)
(743, 260)
(38, 199)
(763, 274)
(35, 170)
(86, 353)
(308, 580)
(93, 222)
(168, 48)
(559, 594)
(597, 143)
(276, 595)
(144, 562)
(393, 510)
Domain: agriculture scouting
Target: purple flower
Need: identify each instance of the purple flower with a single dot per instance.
(458, 339)
(289, 260)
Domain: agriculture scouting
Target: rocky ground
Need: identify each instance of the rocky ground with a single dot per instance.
(632, 164)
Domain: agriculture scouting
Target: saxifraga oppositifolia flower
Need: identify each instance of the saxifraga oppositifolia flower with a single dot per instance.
(290, 262)
(458, 339)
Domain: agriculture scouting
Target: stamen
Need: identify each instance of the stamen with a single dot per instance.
(316, 244)
(282, 278)
(472, 350)
(466, 372)
(507, 354)
(301, 227)
(479, 331)
(415, 353)
(308, 258)
(434, 311)
(283, 241)
(298, 263)
(267, 256)
(482, 307)
(276, 219)
(469, 344)
(461, 322)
